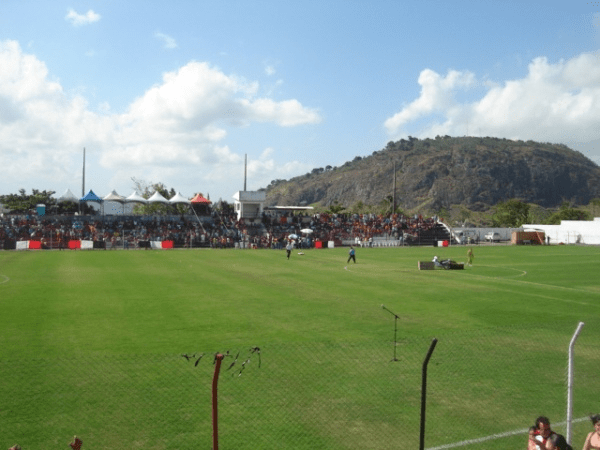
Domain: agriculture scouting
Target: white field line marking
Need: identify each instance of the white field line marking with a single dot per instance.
(6, 279)
(496, 436)
(512, 279)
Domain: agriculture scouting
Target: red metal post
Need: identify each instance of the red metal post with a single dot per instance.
(215, 382)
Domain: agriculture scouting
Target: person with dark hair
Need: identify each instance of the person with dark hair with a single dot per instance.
(592, 441)
(541, 437)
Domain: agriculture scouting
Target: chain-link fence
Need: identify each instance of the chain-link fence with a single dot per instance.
(484, 389)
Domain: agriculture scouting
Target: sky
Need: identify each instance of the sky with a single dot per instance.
(179, 92)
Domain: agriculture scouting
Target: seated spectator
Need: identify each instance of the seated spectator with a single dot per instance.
(541, 437)
(592, 441)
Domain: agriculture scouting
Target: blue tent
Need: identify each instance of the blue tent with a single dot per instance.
(91, 197)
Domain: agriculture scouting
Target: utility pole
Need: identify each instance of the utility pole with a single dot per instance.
(245, 170)
(83, 179)
(394, 194)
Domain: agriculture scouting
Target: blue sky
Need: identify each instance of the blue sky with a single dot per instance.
(178, 92)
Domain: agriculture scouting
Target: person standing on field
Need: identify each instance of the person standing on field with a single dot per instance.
(470, 257)
(351, 255)
(288, 249)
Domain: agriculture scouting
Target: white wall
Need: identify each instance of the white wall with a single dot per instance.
(571, 231)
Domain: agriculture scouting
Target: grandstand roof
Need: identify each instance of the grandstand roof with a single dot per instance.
(288, 208)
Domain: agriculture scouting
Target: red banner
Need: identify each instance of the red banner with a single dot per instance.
(74, 244)
(35, 245)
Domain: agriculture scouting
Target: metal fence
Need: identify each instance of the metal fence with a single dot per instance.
(484, 389)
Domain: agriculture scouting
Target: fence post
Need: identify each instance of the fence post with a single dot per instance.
(218, 358)
(424, 393)
(570, 381)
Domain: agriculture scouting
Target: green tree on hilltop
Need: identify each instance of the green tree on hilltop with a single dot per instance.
(567, 212)
(335, 208)
(512, 213)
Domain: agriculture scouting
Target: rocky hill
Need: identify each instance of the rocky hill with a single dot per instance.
(434, 173)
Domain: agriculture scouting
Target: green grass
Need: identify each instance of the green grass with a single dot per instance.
(91, 343)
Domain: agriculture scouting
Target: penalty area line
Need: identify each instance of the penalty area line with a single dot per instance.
(491, 437)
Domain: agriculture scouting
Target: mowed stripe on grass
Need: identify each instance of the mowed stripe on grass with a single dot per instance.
(157, 300)
(119, 311)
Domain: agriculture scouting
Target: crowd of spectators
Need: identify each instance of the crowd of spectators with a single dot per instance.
(353, 227)
(271, 230)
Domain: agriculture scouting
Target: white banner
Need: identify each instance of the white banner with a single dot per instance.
(87, 245)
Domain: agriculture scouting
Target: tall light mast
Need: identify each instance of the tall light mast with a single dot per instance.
(245, 169)
(83, 179)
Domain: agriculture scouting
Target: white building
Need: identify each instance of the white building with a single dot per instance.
(570, 231)
(249, 204)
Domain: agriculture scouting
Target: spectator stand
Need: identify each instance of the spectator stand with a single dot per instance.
(221, 230)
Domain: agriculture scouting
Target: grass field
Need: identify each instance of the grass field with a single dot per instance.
(91, 344)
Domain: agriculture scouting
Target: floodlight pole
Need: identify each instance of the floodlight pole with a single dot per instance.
(82, 181)
(83, 176)
(394, 196)
(396, 317)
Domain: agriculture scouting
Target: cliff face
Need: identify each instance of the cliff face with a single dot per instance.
(474, 172)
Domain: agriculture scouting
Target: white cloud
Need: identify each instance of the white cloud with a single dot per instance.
(168, 41)
(78, 20)
(437, 94)
(270, 70)
(557, 102)
(174, 133)
(286, 113)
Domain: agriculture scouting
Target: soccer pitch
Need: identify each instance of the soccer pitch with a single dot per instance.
(91, 344)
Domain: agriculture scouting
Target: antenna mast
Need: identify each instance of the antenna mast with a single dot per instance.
(394, 197)
(83, 180)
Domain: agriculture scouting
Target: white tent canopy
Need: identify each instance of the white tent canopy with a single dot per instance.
(114, 197)
(178, 198)
(157, 198)
(136, 198)
(68, 196)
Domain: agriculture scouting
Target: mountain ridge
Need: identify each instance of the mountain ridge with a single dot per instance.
(474, 172)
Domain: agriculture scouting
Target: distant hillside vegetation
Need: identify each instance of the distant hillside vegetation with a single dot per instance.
(431, 174)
